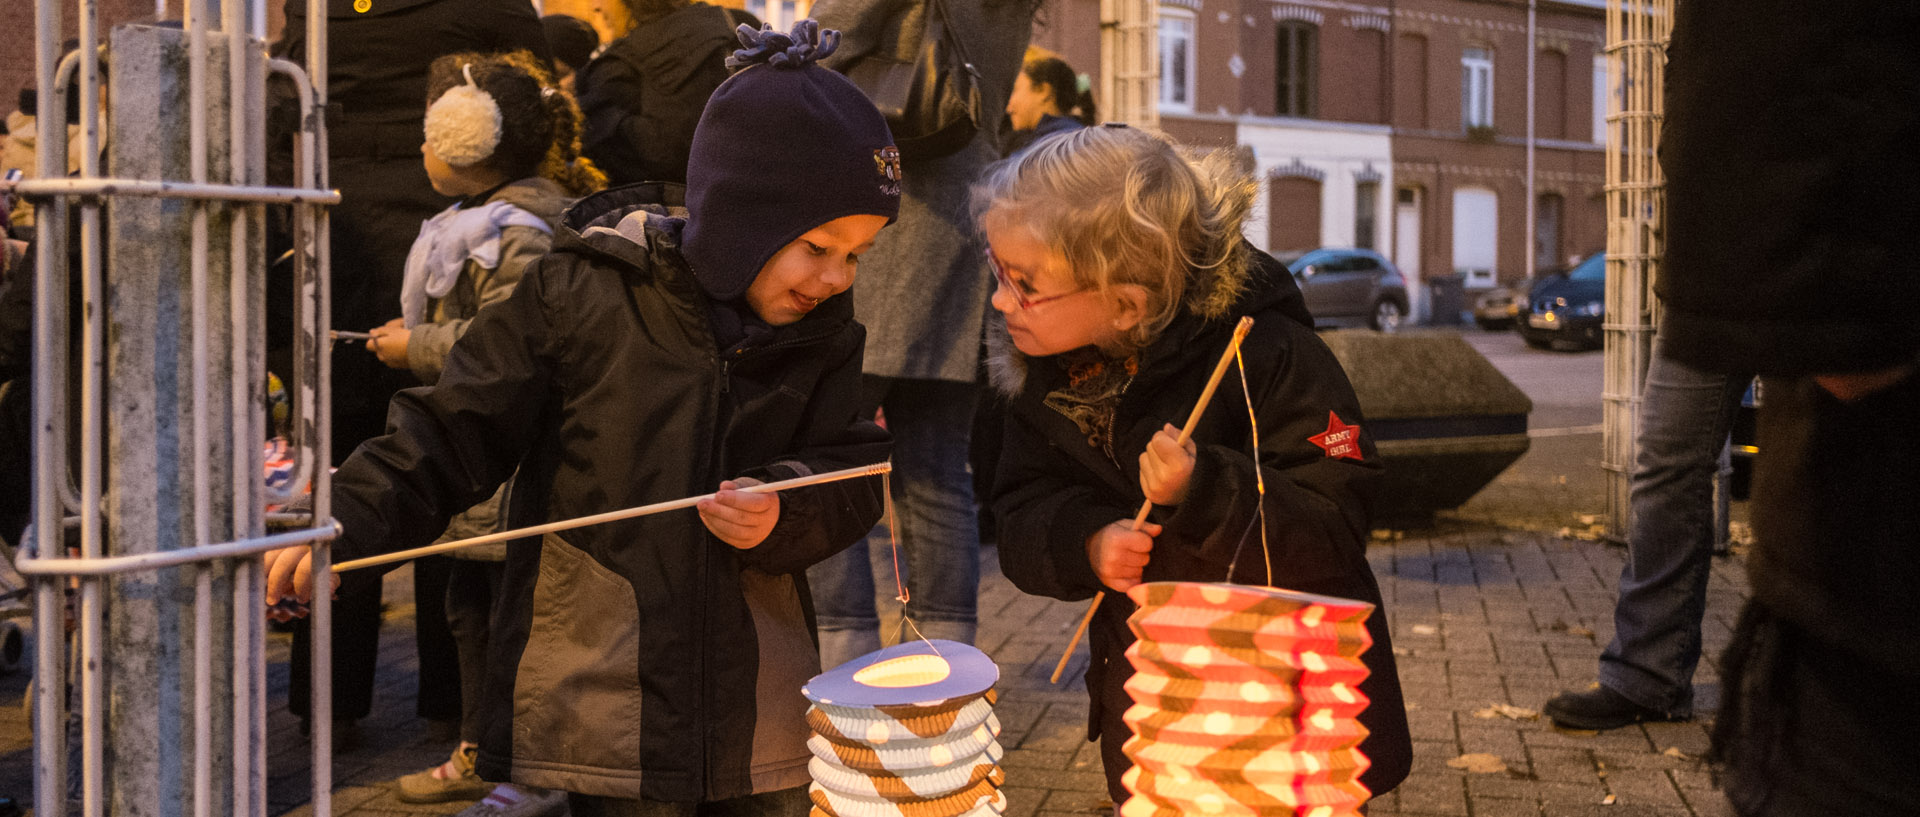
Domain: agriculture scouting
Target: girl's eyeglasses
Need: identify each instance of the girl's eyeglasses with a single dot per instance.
(1019, 297)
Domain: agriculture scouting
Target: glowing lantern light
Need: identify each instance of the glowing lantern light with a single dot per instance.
(908, 731)
(1246, 702)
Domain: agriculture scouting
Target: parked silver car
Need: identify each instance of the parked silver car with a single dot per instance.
(1348, 287)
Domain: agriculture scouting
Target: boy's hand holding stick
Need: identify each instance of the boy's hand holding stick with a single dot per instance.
(1140, 519)
(286, 566)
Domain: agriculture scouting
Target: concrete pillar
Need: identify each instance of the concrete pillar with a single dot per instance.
(152, 453)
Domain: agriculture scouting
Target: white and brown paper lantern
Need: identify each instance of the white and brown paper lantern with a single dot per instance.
(1246, 702)
(907, 731)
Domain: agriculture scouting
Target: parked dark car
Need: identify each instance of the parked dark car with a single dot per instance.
(1567, 308)
(1496, 308)
(1346, 287)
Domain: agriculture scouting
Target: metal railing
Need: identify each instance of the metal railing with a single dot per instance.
(69, 495)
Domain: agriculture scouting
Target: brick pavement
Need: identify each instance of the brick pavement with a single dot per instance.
(1480, 615)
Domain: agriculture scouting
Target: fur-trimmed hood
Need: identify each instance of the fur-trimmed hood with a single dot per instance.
(1249, 282)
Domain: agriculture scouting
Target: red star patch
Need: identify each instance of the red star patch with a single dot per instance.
(1340, 440)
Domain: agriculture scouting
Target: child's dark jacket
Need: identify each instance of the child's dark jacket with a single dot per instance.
(1054, 489)
(643, 658)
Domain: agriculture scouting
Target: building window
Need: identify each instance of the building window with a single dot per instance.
(781, 14)
(1410, 82)
(1294, 68)
(1293, 214)
(1476, 87)
(1550, 94)
(1476, 235)
(1602, 95)
(1547, 214)
(1176, 60)
(1366, 200)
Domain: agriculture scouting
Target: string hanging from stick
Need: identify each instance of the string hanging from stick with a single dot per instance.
(1140, 519)
(1259, 482)
(876, 469)
(901, 594)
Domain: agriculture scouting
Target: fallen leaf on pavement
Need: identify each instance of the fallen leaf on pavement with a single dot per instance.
(1674, 752)
(1518, 713)
(1478, 763)
(1608, 800)
(1582, 631)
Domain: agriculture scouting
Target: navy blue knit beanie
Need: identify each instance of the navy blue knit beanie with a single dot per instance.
(784, 146)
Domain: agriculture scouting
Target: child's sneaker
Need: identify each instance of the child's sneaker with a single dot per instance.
(452, 780)
(509, 800)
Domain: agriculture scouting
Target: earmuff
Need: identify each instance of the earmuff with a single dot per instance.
(463, 125)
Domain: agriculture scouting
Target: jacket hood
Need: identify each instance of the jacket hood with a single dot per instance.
(537, 195)
(592, 225)
(1250, 282)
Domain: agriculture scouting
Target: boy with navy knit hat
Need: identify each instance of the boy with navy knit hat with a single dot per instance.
(659, 352)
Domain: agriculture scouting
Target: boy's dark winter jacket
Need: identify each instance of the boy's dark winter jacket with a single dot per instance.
(643, 658)
(1054, 489)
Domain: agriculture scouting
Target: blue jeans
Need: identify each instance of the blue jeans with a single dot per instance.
(939, 533)
(1685, 415)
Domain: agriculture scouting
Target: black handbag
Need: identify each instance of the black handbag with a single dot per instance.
(923, 82)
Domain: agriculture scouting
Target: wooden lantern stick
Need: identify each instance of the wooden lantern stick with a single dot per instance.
(610, 516)
(1140, 519)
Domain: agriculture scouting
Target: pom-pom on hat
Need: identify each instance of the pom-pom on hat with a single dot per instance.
(463, 125)
(784, 146)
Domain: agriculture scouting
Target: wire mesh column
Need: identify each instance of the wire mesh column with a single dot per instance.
(1130, 62)
(1637, 35)
(148, 496)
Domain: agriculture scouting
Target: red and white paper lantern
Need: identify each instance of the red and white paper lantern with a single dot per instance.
(1246, 702)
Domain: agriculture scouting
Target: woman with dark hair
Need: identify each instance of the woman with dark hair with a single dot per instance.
(1047, 98)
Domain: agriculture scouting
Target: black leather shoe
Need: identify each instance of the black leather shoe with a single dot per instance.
(1601, 708)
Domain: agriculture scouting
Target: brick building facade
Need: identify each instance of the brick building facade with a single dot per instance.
(16, 48)
(1397, 126)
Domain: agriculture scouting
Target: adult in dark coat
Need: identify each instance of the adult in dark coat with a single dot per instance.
(922, 294)
(378, 52)
(643, 95)
(1793, 189)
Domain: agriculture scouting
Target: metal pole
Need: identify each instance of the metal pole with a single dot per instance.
(92, 362)
(49, 441)
(321, 700)
(1533, 48)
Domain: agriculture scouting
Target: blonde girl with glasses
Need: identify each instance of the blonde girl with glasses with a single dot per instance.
(1121, 273)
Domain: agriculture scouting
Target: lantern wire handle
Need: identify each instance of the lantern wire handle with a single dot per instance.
(1259, 482)
(1140, 519)
(893, 541)
(899, 585)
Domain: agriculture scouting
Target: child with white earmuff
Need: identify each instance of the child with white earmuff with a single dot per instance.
(505, 140)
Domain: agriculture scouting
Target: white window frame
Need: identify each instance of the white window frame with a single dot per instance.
(1602, 98)
(1476, 87)
(1190, 22)
(1476, 241)
(775, 12)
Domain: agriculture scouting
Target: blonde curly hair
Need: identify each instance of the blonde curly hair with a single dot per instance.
(1125, 206)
